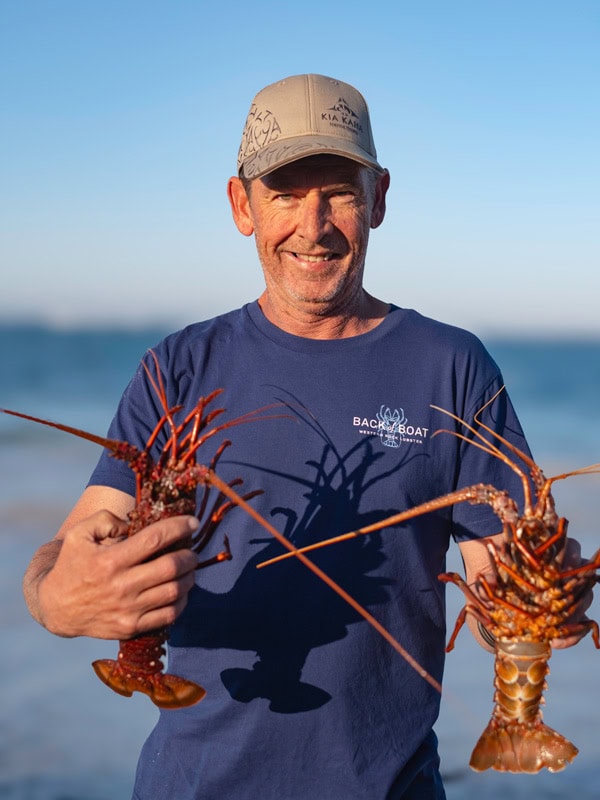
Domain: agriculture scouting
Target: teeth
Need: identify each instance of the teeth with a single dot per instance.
(314, 258)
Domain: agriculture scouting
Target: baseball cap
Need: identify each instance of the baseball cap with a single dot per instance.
(305, 115)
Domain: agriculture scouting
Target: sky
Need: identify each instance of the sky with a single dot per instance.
(120, 123)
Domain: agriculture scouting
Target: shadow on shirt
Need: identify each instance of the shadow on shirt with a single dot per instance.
(284, 611)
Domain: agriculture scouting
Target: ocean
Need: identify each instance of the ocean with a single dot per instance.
(64, 736)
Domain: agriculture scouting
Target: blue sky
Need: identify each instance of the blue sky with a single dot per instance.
(121, 122)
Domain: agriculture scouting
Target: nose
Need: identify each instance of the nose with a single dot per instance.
(314, 217)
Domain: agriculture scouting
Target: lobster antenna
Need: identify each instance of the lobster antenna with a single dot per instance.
(396, 519)
(159, 388)
(491, 448)
(110, 444)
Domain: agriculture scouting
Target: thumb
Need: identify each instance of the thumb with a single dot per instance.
(102, 527)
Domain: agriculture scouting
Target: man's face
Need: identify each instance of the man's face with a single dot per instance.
(311, 221)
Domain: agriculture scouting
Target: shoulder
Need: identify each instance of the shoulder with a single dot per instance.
(186, 348)
(435, 331)
(438, 342)
(195, 360)
(221, 326)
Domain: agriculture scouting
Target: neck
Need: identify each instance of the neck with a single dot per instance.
(366, 313)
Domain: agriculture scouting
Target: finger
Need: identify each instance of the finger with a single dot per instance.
(158, 537)
(159, 618)
(161, 605)
(580, 629)
(570, 641)
(99, 528)
(583, 605)
(163, 569)
(162, 580)
(571, 556)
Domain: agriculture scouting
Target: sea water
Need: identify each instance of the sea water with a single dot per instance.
(64, 736)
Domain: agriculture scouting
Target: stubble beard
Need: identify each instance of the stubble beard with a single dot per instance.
(339, 298)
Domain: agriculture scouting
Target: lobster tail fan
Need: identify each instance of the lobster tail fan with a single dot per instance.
(521, 747)
(165, 690)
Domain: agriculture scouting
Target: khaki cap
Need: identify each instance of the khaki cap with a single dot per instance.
(302, 116)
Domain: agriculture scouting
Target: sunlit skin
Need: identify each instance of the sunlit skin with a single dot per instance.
(311, 221)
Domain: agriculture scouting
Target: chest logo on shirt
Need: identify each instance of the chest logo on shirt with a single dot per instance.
(392, 427)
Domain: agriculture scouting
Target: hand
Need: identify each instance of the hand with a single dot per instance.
(110, 587)
(572, 559)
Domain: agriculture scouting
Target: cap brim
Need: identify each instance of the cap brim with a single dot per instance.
(285, 151)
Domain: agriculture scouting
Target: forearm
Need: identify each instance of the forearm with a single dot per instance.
(478, 563)
(42, 562)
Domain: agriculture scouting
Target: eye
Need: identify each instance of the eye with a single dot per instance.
(343, 196)
(283, 198)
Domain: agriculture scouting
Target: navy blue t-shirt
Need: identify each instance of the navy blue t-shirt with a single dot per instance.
(304, 699)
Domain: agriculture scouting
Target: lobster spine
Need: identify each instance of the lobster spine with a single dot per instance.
(516, 739)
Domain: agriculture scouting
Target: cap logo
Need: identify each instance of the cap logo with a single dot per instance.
(340, 115)
(260, 130)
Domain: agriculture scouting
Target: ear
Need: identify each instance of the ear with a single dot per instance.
(240, 206)
(381, 187)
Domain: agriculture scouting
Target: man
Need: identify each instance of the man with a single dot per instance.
(304, 699)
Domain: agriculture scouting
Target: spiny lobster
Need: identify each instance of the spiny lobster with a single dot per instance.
(526, 602)
(166, 488)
